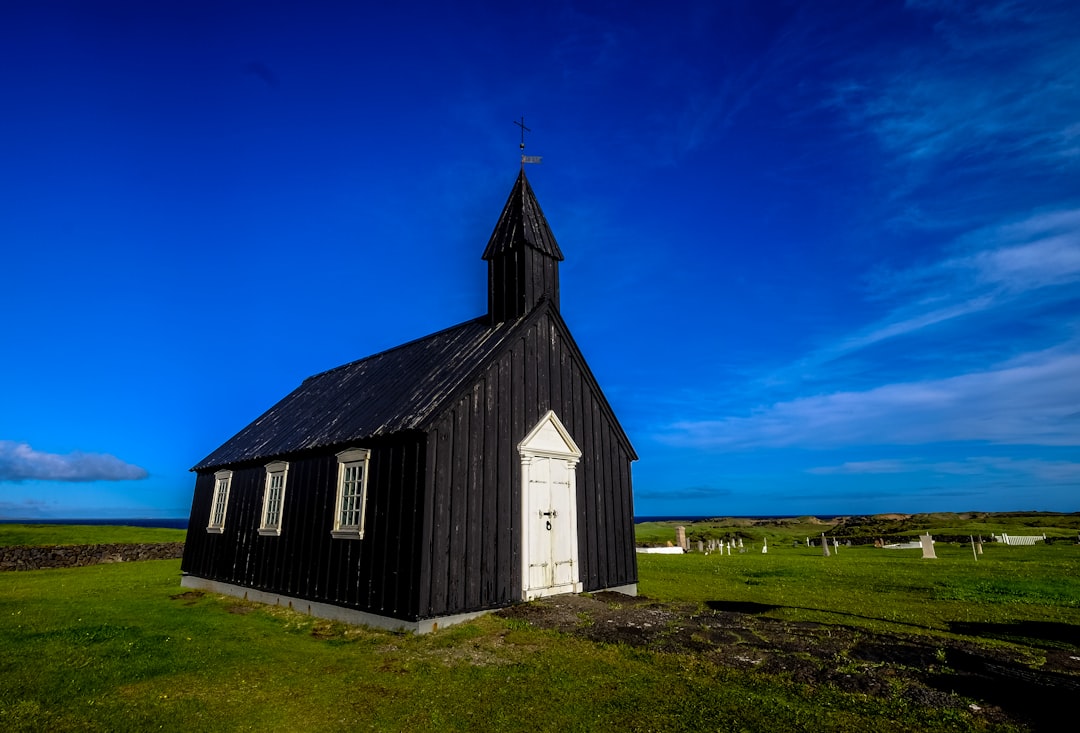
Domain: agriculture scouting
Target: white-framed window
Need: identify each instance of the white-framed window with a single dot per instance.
(273, 498)
(351, 493)
(219, 504)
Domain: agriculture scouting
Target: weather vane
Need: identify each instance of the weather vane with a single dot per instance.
(526, 158)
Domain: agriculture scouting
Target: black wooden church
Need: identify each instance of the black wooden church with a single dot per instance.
(465, 471)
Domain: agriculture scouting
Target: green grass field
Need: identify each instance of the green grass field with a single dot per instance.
(79, 534)
(122, 647)
(883, 590)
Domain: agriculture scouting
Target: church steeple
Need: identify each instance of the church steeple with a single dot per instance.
(523, 257)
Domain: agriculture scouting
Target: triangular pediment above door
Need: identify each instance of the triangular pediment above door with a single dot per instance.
(549, 436)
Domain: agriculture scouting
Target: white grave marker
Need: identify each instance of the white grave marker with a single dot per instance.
(927, 547)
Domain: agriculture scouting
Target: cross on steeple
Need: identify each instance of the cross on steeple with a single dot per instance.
(523, 131)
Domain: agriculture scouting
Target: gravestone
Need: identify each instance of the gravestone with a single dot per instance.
(824, 546)
(927, 547)
(680, 537)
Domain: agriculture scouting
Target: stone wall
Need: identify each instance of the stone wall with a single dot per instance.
(29, 557)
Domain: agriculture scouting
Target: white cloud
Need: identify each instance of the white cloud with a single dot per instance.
(688, 493)
(1046, 470)
(1042, 262)
(977, 128)
(1030, 400)
(1004, 80)
(20, 462)
(905, 321)
(1015, 256)
(998, 267)
(897, 465)
(998, 271)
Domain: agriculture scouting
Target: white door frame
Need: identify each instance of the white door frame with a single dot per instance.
(548, 439)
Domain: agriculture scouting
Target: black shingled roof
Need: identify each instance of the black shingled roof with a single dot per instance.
(382, 394)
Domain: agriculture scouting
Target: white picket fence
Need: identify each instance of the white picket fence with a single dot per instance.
(1029, 539)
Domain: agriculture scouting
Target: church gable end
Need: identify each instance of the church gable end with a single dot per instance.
(474, 498)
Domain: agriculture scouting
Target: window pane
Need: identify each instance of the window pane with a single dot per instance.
(273, 500)
(221, 498)
(351, 496)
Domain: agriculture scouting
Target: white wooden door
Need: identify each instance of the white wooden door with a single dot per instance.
(549, 511)
(552, 541)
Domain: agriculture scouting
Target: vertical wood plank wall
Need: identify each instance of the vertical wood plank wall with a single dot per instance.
(517, 280)
(375, 574)
(473, 558)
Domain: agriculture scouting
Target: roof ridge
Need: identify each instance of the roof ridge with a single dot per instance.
(392, 349)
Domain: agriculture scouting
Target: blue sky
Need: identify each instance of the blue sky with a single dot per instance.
(823, 258)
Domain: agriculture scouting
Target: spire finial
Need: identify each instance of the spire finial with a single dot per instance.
(526, 158)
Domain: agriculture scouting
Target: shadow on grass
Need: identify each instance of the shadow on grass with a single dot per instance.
(741, 606)
(1038, 633)
(1042, 699)
(750, 607)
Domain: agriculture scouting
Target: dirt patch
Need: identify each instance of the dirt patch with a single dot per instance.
(995, 683)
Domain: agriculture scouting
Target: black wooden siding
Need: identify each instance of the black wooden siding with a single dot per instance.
(472, 512)
(519, 279)
(375, 574)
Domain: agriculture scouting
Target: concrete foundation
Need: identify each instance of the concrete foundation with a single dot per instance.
(347, 615)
